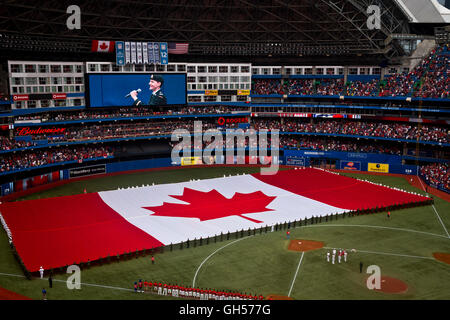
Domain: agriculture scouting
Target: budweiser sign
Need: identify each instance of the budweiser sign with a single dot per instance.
(27, 131)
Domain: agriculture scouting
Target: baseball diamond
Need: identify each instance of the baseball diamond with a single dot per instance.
(212, 157)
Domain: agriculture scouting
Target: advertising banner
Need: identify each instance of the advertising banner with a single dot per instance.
(295, 161)
(87, 171)
(378, 167)
(351, 165)
(189, 161)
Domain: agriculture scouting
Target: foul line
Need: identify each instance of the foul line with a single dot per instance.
(434, 208)
(64, 281)
(198, 269)
(376, 227)
(386, 253)
(295, 276)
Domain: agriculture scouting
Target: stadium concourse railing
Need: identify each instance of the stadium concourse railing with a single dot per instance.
(193, 243)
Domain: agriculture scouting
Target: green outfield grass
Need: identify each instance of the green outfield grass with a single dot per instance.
(401, 246)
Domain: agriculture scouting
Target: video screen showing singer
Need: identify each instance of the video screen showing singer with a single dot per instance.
(157, 97)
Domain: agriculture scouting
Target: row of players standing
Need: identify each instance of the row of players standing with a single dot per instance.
(190, 293)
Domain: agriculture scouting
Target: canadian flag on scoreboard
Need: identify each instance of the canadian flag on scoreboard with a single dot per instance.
(102, 46)
(59, 231)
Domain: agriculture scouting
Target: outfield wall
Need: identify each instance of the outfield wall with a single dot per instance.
(352, 161)
(30, 185)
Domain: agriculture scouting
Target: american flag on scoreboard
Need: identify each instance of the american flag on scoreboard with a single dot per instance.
(178, 48)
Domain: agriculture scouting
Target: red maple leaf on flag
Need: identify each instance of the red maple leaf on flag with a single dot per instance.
(213, 205)
(104, 46)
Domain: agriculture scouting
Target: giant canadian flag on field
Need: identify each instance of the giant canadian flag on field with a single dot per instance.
(72, 229)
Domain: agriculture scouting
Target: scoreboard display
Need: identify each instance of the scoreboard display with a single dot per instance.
(112, 90)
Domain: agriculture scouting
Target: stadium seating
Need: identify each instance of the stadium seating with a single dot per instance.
(360, 128)
(437, 174)
(127, 112)
(267, 86)
(18, 161)
(428, 80)
(362, 89)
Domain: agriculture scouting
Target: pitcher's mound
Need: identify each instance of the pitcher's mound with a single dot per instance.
(277, 297)
(392, 285)
(444, 257)
(304, 245)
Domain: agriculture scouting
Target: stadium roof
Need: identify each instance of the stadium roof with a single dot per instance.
(425, 11)
(213, 28)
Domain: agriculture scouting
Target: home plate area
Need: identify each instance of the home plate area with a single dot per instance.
(75, 229)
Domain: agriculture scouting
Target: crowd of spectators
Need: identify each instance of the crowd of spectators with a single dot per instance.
(359, 128)
(437, 174)
(329, 87)
(309, 87)
(128, 113)
(142, 128)
(362, 89)
(300, 87)
(397, 85)
(306, 143)
(267, 86)
(112, 131)
(326, 144)
(128, 130)
(18, 161)
(428, 80)
(10, 144)
(435, 83)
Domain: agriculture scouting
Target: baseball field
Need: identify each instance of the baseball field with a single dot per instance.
(411, 249)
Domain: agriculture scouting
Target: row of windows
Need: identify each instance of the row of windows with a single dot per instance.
(317, 71)
(97, 67)
(221, 79)
(94, 67)
(46, 80)
(108, 67)
(31, 104)
(398, 70)
(47, 89)
(297, 71)
(220, 69)
(218, 86)
(44, 68)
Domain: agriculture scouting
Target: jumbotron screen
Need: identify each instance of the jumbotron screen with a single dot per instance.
(113, 90)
